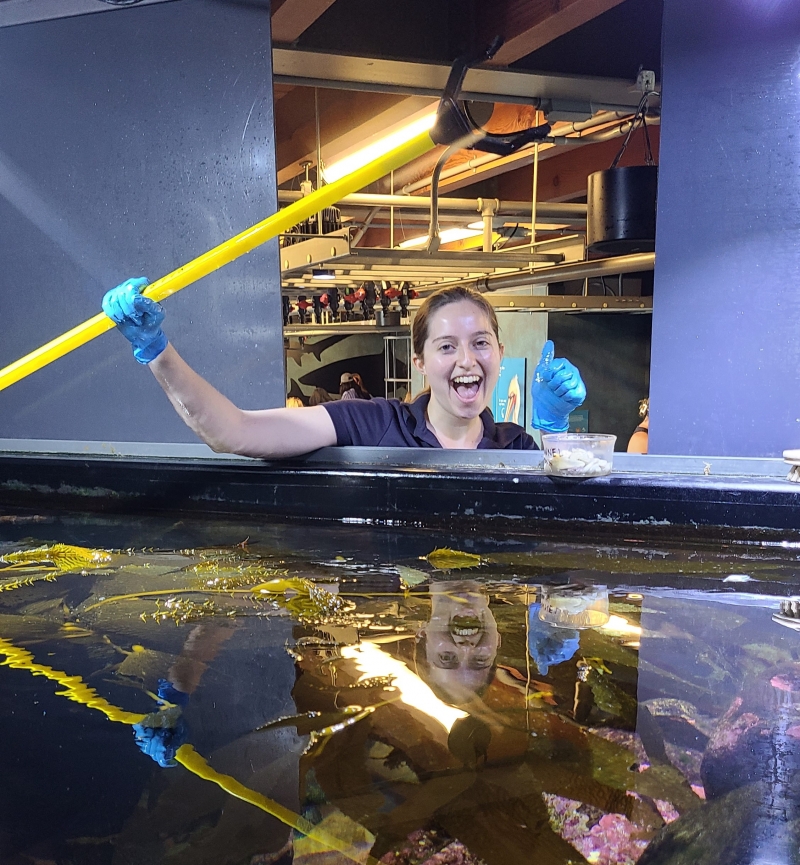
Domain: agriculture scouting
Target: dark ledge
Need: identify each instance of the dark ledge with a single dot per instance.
(668, 497)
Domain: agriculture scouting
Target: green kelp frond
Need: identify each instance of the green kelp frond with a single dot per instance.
(182, 610)
(225, 577)
(60, 557)
(305, 600)
(444, 559)
(22, 582)
(410, 577)
(320, 726)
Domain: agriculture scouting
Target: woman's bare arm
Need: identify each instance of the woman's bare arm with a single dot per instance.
(268, 434)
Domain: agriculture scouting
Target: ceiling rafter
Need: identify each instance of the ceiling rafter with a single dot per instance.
(527, 25)
(291, 18)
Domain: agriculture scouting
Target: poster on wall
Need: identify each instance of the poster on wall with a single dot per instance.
(511, 392)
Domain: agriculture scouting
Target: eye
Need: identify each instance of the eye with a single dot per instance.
(482, 343)
(448, 660)
(446, 346)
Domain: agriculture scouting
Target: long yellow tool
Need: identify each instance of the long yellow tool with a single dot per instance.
(226, 252)
(78, 691)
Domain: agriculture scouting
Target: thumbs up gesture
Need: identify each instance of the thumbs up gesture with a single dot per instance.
(556, 390)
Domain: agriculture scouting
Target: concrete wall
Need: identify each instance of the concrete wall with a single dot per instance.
(132, 142)
(726, 345)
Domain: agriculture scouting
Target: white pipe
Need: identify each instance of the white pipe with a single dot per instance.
(555, 211)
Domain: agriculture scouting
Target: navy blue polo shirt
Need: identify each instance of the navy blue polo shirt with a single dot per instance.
(393, 424)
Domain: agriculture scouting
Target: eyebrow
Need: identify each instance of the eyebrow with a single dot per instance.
(472, 336)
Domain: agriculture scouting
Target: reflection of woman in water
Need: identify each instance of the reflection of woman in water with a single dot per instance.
(459, 644)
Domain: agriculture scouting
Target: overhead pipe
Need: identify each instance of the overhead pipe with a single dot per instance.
(617, 131)
(365, 225)
(556, 211)
(635, 263)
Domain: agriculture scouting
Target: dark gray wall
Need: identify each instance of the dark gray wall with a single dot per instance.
(130, 143)
(726, 339)
(612, 352)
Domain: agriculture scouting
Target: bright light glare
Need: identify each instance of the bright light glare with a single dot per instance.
(617, 626)
(447, 236)
(372, 661)
(378, 148)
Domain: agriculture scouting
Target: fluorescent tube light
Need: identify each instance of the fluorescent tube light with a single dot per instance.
(372, 151)
(449, 235)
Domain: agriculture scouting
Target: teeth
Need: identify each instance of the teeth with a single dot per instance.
(791, 608)
(466, 379)
(465, 632)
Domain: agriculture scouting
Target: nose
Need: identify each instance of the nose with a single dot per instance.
(465, 357)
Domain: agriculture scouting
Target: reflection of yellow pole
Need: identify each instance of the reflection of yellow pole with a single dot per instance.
(78, 691)
(226, 252)
(75, 688)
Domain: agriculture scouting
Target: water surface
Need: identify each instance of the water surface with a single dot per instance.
(215, 692)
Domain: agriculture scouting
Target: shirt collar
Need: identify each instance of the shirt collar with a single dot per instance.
(418, 410)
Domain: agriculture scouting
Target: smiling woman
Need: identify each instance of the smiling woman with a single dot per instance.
(456, 346)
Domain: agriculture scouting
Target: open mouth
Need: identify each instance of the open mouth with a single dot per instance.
(465, 626)
(467, 387)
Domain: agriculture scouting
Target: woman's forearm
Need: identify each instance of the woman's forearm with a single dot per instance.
(270, 433)
(212, 416)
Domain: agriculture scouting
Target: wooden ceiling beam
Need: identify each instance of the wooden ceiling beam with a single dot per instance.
(527, 25)
(291, 18)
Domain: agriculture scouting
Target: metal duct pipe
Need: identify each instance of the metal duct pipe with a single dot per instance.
(363, 230)
(558, 212)
(604, 135)
(641, 261)
(573, 141)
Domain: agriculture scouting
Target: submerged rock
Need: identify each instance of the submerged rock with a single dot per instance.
(751, 776)
(758, 738)
(742, 828)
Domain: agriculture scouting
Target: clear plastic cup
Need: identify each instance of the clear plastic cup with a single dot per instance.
(577, 608)
(578, 455)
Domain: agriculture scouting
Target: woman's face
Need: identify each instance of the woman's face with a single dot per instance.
(461, 358)
(461, 638)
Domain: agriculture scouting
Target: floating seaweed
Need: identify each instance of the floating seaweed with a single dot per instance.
(305, 600)
(8, 585)
(60, 557)
(410, 577)
(221, 576)
(444, 559)
(182, 610)
(320, 726)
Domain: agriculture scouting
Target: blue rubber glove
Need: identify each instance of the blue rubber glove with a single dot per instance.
(137, 317)
(557, 389)
(161, 733)
(161, 743)
(547, 644)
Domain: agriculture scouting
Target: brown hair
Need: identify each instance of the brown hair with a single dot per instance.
(444, 297)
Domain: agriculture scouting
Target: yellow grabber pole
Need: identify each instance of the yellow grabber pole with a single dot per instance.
(226, 252)
(78, 691)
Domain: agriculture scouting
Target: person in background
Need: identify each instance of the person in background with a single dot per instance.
(638, 441)
(319, 396)
(349, 387)
(294, 402)
(365, 394)
(456, 345)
